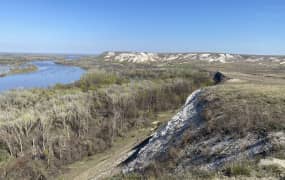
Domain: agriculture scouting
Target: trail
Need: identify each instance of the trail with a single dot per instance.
(104, 164)
(108, 166)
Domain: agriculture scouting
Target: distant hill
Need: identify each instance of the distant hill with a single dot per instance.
(145, 57)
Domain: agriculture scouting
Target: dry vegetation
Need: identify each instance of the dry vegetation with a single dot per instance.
(44, 129)
(241, 108)
(231, 110)
(246, 170)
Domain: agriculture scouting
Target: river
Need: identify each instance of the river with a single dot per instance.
(47, 75)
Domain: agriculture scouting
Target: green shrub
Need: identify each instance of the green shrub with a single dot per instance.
(4, 155)
(95, 80)
(237, 170)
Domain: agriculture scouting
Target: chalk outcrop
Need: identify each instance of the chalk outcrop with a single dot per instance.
(203, 150)
(163, 139)
(146, 57)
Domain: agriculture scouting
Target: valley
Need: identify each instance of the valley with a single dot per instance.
(91, 128)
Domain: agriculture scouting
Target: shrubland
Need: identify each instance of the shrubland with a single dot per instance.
(44, 129)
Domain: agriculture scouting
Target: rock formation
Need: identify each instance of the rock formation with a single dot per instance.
(203, 150)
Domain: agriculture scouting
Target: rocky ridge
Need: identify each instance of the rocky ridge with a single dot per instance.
(203, 151)
(145, 57)
(161, 139)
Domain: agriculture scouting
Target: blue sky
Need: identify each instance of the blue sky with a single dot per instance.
(93, 26)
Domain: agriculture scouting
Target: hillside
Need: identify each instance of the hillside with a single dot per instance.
(232, 130)
(44, 130)
(144, 57)
(115, 122)
(219, 129)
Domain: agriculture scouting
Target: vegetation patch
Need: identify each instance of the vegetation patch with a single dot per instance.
(20, 69)
(241, 108)
(49, 128)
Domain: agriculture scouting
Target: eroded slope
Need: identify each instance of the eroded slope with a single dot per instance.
(217, 127)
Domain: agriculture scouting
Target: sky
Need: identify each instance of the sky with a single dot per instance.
(95, 26)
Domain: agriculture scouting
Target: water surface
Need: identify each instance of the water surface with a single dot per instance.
(48, 74)
(4, 69)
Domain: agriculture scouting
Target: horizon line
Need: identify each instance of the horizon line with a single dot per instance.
(133, 51)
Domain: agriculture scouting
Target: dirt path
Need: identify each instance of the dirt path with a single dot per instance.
(108, 166)
(105, 164)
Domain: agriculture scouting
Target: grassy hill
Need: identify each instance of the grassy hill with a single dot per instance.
(47, 133)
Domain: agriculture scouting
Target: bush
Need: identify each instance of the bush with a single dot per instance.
(237, 170)
(97, 79)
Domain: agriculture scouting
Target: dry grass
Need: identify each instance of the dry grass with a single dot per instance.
(240, 108)
(55, 127)
(231, 110)
(58, 126)
(104, 164)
